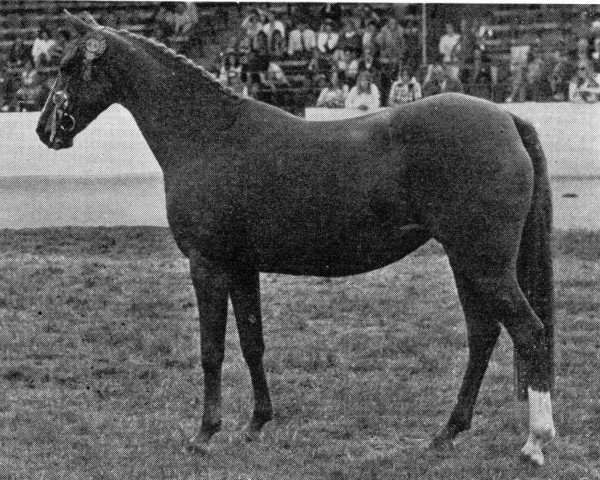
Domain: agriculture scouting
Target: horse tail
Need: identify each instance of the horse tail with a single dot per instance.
(534, 264)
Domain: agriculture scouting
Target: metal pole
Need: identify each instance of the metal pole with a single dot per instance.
(424, 34)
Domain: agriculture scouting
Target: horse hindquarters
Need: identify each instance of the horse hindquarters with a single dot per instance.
(479, 217)
(534, 270)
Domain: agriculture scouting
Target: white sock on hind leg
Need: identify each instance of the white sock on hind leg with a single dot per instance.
(541, 425)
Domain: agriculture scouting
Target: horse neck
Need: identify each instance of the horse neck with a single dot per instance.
(177, 107)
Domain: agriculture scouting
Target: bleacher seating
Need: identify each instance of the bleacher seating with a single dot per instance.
(549, 26)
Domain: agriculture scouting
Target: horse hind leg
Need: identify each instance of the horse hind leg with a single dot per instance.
(494, 294)
(482, 337)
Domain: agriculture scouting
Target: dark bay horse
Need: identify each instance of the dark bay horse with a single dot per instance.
(252, 189)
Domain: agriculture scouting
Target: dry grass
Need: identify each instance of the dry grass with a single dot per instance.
(99, 370)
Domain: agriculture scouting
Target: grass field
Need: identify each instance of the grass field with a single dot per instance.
(100, 374)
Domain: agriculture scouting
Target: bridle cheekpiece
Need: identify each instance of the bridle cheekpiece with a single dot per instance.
(94, 47)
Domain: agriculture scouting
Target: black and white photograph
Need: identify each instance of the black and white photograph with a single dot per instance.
(299, 241)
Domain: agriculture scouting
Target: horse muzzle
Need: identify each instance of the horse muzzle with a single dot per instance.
(56, 141)
(57, 131)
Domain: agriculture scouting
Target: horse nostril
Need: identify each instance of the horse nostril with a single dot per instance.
(41, 132)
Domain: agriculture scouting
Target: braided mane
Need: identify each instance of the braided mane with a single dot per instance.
(152, 45)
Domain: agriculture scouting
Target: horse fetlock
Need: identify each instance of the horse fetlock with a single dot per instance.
(532, 450)
(253, 429)
(442, 440)
(209, 428)
(260, 417)
(541, 425)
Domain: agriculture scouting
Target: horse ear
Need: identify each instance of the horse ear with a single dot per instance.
(82, 26)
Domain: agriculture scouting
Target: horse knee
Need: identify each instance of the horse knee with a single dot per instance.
(211, 358)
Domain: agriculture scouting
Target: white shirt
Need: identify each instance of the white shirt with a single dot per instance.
(41, 47)
(369, 100)
(327, 41)
(447, 44)
(270, 27)
(301, 41)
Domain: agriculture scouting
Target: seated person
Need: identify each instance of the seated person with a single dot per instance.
(41, 50)
(229, 67)
(346, 63)
(440, 79)
(595, 56)
(364, 95)
(251, 25)
(368, 62)
(349, 36)
(302, 41)
(562, 71)
(31, 94)
(185, 17)
(281, 94)
(8, 89)
(327, 39)
(334, 94)
(277, 45)
(584, 86)
(405, 89)
(255, 71)
(273, 24)
(18, 54)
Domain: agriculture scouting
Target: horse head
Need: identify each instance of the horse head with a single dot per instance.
(83, 88)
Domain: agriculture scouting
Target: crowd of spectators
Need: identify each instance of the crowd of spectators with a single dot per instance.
(28, 69)
(358, 42)
(348, 57)
(567, 73)
(27, 72)
(337, 55)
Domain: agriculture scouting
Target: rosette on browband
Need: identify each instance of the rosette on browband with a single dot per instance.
(95, 45)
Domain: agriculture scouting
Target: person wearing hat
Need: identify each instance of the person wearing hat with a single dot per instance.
(327, 39)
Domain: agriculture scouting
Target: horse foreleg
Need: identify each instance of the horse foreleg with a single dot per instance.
(482, 337)
(245, 297)
(211, 286)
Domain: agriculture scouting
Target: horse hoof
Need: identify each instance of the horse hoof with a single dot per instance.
(198, 444)
(532, 455)
(443, 440)
(251, 434)
(441, 443)
(532, 450)
(195, 444)
(196, 447)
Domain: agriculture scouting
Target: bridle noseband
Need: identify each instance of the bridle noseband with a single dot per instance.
(66, 121)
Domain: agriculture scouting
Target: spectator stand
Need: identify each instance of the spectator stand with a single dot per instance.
(552, 30)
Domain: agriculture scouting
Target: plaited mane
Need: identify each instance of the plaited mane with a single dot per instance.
(152, 45)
